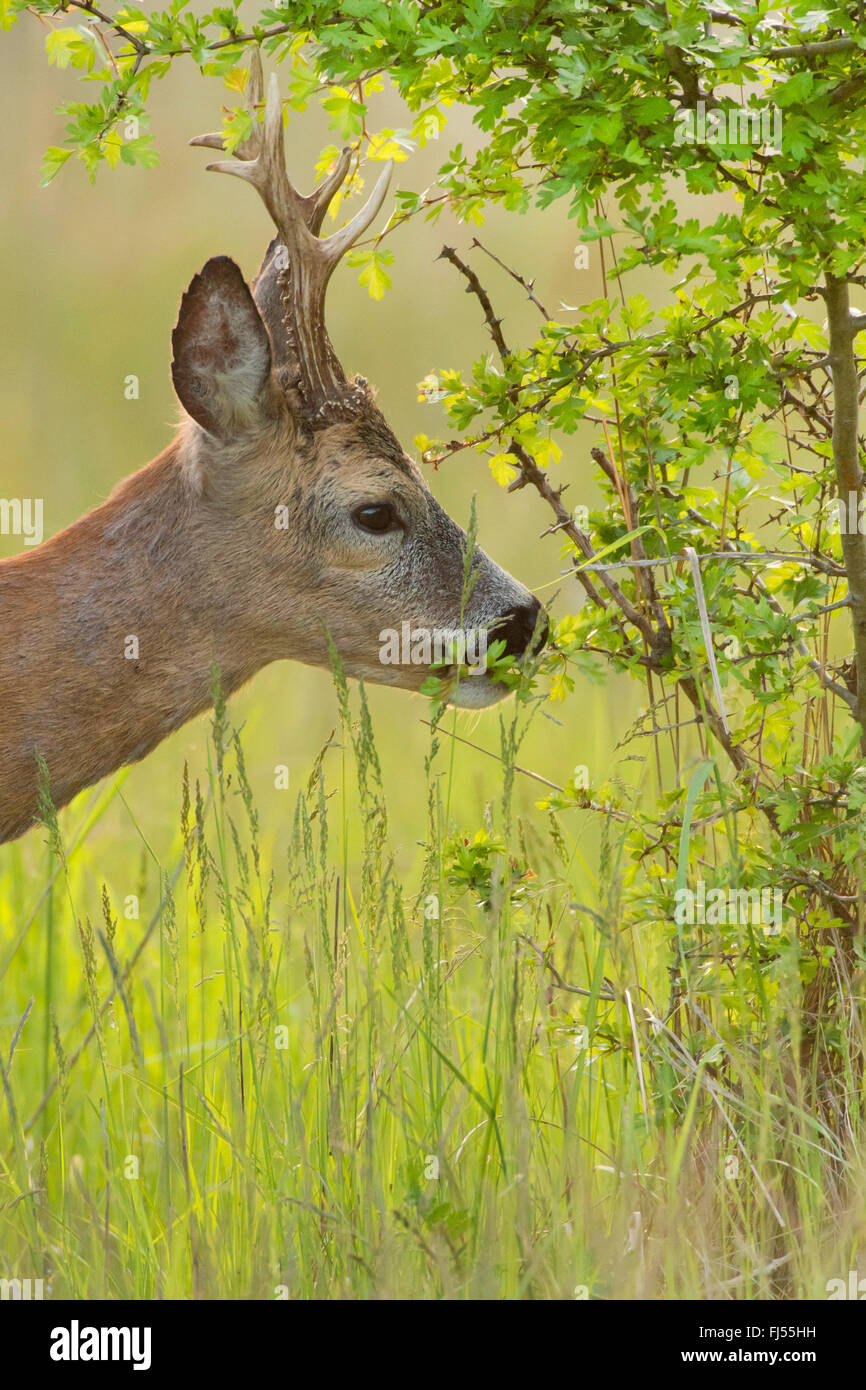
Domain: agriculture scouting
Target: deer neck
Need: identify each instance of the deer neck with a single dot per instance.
(109, 631)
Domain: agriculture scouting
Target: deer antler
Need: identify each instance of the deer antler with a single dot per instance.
(310, 259)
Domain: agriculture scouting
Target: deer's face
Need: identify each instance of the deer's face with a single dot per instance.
(340, 535)
(388, 569)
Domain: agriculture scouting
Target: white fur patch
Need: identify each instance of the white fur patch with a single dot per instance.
(477, 692)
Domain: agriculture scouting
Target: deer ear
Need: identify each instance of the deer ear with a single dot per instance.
(221, 351)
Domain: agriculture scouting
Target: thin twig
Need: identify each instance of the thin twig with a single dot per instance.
(707, 632)
(604, 992)
(527, 285)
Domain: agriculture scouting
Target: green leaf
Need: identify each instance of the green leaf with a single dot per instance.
(374, 277)
(504, 469)
(53, 161)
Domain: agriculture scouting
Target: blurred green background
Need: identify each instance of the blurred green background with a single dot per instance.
(91, 281)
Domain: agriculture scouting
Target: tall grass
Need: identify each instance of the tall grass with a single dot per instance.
(328, 1078)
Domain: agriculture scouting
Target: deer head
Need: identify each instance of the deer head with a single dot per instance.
(360, 546)
(284, 517)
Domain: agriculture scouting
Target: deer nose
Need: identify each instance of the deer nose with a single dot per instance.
(518, 626)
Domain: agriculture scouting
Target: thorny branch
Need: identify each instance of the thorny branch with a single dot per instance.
(656, 632)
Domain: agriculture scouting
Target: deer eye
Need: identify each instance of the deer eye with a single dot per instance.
(376, 517)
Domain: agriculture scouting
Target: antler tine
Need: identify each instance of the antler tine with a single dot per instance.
(337, 245)
(315, 204)
(256, 83)
(251, 146)
(213, 141)
(320, 199)
(267, 173)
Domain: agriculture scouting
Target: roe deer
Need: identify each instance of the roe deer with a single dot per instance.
(110, 628)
